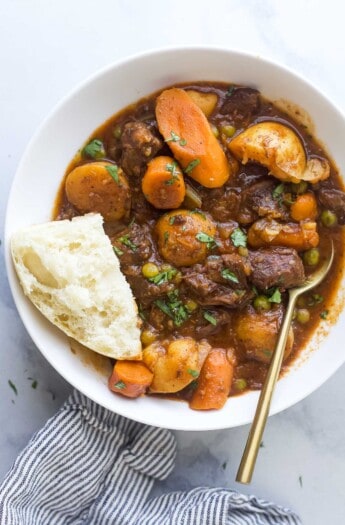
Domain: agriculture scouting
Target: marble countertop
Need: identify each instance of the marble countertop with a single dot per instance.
(44, 53)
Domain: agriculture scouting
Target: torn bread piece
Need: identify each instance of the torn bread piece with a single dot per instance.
(69, 270)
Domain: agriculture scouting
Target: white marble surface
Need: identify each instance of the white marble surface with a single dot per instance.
(46, 48)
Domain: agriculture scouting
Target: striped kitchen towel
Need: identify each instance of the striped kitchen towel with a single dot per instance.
(90, 466)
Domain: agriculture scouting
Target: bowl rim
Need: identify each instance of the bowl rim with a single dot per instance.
(94, 77)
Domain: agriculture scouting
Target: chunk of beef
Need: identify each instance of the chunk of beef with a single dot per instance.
(205, 329)
(276, 267)
(135, 243)
(220, 281)
(139, 145)
(241, 105)
(144, 291)
(223, 203)
(333, 200)
(258, 201)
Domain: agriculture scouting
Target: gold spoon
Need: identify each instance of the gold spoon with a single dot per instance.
(246, 468)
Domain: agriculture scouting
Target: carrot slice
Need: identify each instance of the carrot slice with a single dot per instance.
(189, 136)
(214, 382)
(300, 236)
(304, 207)
(130, 378)
(163, 183)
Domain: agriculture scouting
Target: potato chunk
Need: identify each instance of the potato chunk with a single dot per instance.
(99, 187)
(185, 237)
(257, 333)
(174, 364)
(205, 101)
(279, 149)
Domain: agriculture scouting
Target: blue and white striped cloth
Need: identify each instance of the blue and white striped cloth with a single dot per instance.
(88, 466)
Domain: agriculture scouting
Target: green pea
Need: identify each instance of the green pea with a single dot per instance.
(243, 251)
(303, 316)
(261, 302)
(311, 257)
(228, 130)
(329, 218)
(300, 187)
(240, 384)
(150, 270)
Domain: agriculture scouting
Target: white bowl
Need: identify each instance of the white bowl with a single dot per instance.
(53, 146)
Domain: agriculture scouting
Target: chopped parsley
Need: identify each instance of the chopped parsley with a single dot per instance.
(173, 307)
(125, 240)
(117, 251)
(199, 212)
(175, 138)
(13, 386)
(163, 277)
(141, 312)
(172, 220)
(278, 193)
(275, 297)
(192, 165)
(193, 373)
(172, 168)
(300, 479)
(239, 238)
(34, 384)
(166, 237)
(120, 385)
(94, 149)
(207, 239)
(324, 314)
(113, 172)
(229, 276)
(230, 91)
(210, 318)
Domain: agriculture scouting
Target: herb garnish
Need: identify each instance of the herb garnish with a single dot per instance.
(172, 168)
(275, 297)
(193, 373)
(120, 385)
(324, 314)
(207, 239)
(199, 212)
(117, 251)
(192, 165)
(210, 318)
(166, 237)
(13, 386)
(173, 308)
(94, 149)
(175, 138)
(34, 384)
(141, 312)
(230, 91)
(239, 238)
(278, 193)
(300, 479)
(113, 172)
(229, 276)
(163, 277)
(125, 240)
(172, 220)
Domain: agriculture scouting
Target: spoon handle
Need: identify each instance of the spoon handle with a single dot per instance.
(246, 468)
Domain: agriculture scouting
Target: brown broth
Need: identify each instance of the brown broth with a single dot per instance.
(143, 110)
